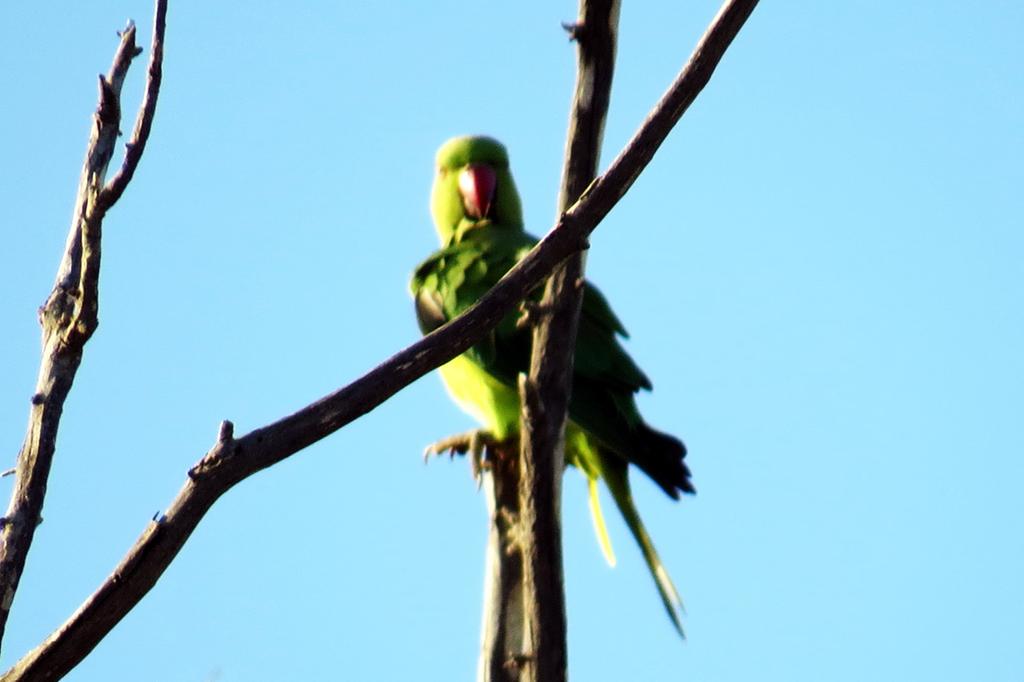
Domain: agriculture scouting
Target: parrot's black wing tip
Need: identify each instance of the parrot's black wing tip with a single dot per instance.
(667, 467)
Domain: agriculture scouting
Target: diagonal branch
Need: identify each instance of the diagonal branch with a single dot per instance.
(231, 460)
(613, 184)
(68, 318)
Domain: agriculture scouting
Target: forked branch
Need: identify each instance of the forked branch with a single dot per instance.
(70, 315)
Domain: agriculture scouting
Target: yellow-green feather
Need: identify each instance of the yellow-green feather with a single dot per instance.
(483, 397)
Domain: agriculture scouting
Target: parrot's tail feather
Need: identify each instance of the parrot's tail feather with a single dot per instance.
(618, 484)
(600, 528)
(666, 589)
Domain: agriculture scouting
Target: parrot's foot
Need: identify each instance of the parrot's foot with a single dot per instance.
(474, 443)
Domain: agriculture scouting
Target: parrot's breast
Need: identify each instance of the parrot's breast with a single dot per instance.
(483, 397)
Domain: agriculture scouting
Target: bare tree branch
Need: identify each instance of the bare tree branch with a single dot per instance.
(231, 460)
(69, 316)
(546, 391)
(147, 111)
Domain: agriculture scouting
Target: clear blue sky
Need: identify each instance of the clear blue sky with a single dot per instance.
(822, 270)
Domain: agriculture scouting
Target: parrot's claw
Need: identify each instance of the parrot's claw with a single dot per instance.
(474, 443)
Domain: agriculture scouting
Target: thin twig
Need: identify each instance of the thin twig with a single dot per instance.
(69, 317)
(113, 190)
(231, 460)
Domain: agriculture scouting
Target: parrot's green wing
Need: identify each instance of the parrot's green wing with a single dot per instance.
(454, 278)
(604, 382)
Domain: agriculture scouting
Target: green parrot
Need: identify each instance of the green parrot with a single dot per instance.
(478, 217)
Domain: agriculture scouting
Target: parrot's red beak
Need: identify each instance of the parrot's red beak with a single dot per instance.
(477, 183)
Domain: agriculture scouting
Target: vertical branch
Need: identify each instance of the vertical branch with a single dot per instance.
(524, 634)
(70, 315)
(546, 391)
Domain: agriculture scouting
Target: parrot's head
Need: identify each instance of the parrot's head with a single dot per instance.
(473, 184)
